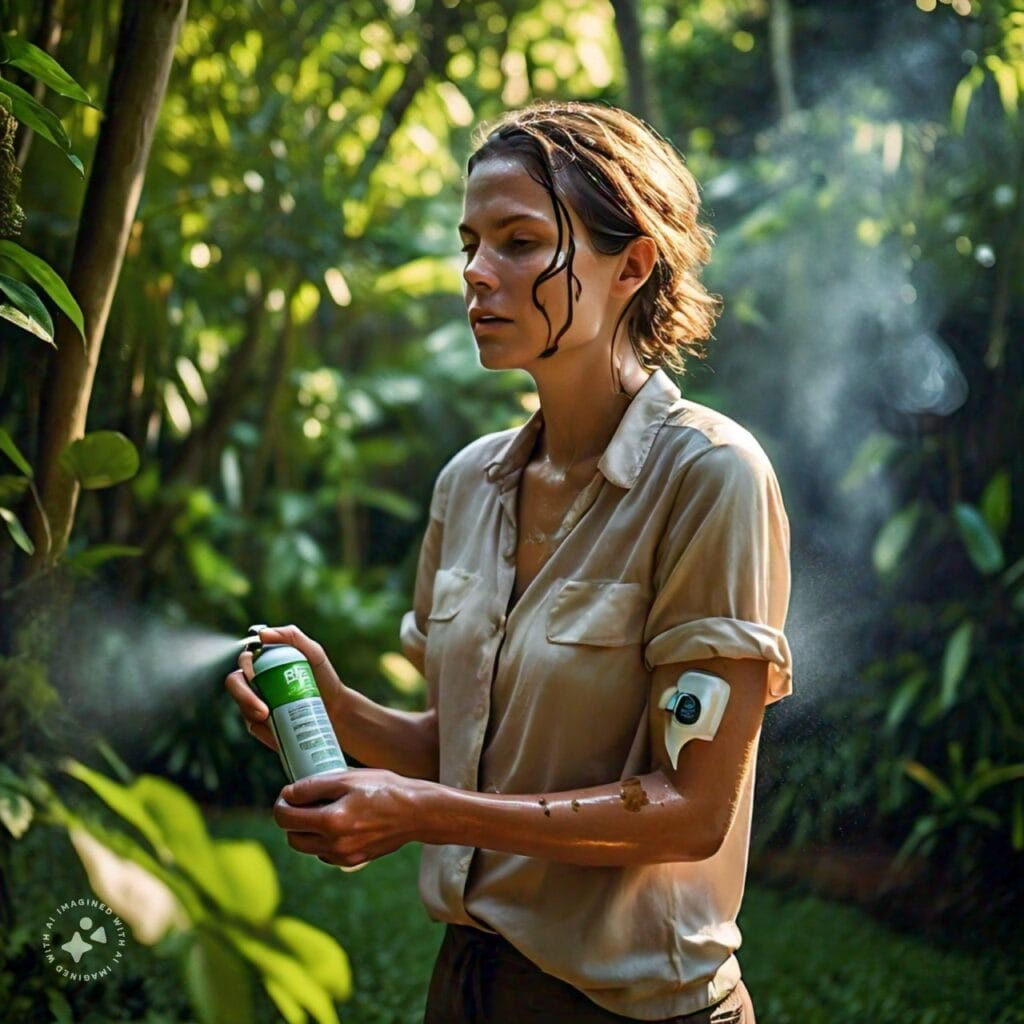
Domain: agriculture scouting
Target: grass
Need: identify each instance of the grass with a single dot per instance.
(805, 960)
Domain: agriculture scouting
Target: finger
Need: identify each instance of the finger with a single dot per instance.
(308, 842)
(263, 733)
(313, 651)
(326, 677)
(315, 789)
(248, 701)
(300, 819)
(245, 664)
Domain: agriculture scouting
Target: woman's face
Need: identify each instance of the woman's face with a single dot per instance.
(510, 237)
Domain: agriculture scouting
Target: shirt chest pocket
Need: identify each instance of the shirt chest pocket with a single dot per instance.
(452, 588)
(598, 613)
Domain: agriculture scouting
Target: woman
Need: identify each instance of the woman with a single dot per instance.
(589, 861)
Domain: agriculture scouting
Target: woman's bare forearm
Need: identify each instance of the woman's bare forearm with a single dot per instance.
(641, 820)
(404, 742)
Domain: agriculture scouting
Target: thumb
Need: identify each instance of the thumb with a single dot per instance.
(316, 789)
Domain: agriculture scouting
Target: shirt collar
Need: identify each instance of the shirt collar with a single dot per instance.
(628, 449)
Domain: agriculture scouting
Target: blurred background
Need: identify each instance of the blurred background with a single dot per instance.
(264, 340)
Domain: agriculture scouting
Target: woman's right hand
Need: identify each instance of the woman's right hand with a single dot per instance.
(238, 683)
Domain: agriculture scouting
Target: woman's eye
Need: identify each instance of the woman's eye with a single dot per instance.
(520, 243)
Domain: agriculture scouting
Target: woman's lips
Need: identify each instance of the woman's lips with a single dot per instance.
(489, 323)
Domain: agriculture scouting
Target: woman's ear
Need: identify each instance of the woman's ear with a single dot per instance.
(638, 260)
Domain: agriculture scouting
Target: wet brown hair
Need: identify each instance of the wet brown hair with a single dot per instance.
(624, 181)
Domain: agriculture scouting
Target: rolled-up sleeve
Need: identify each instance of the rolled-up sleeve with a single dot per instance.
(722, 573)
(413, 630)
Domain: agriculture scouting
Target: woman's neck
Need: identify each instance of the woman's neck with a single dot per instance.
(582, 407)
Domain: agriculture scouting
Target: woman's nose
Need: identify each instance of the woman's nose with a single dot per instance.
(478, 273)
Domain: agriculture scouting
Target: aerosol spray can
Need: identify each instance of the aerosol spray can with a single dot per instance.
(284, 680)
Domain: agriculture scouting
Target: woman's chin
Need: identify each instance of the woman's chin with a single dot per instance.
(494, 356)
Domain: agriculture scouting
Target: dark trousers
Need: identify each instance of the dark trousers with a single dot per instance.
(480, 978)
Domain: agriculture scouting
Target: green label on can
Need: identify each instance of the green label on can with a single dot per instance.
(305, 737)
(285, 683)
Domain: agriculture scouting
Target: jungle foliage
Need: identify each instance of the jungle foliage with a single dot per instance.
(285, 367)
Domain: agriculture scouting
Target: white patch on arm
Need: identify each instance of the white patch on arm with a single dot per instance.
(693, 710)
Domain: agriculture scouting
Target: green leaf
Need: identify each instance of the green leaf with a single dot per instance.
(39, 64)
(321, 955)
(128, 848)
(213, 570)
(17, 531)
(124, 802)
(39, 119)
(59, 1007)
(174, 827)
(962, 98)
(955, 660)
(894, 537)
(424, 276)
(47, 278)
(183, 832)
(984, 815)
(287, 1005)
(218, 980)
(249, 882)
(923, 829)
(135, 893)
(1015, 573)
(873, 454)
(990, 777)
(16, 317)
(983, 547)
(1005, 75)
(10, 449)
(284, 970)
(101, 459)
(927, 778)
(92, 558)
(906, 694)
(15, 812)
(995, 502)
(12, 488)
(29, 305)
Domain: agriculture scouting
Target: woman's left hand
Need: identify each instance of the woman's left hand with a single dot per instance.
(351, 817)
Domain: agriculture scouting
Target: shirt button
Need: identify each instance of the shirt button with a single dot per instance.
(501, 624)
(509, 554)
(480, 710)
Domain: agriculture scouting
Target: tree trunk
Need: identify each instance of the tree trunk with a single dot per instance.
(781, 28)
(627, 25)
(145, 47)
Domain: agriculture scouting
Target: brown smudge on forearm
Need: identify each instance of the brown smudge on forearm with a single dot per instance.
(633, 795)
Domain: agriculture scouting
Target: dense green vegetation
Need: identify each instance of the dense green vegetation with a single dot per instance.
(806, 961)
(285, 366)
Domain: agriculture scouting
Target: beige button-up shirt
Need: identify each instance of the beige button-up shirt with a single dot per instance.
(677, 550)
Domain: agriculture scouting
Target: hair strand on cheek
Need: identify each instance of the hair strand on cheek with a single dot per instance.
(558, 265)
